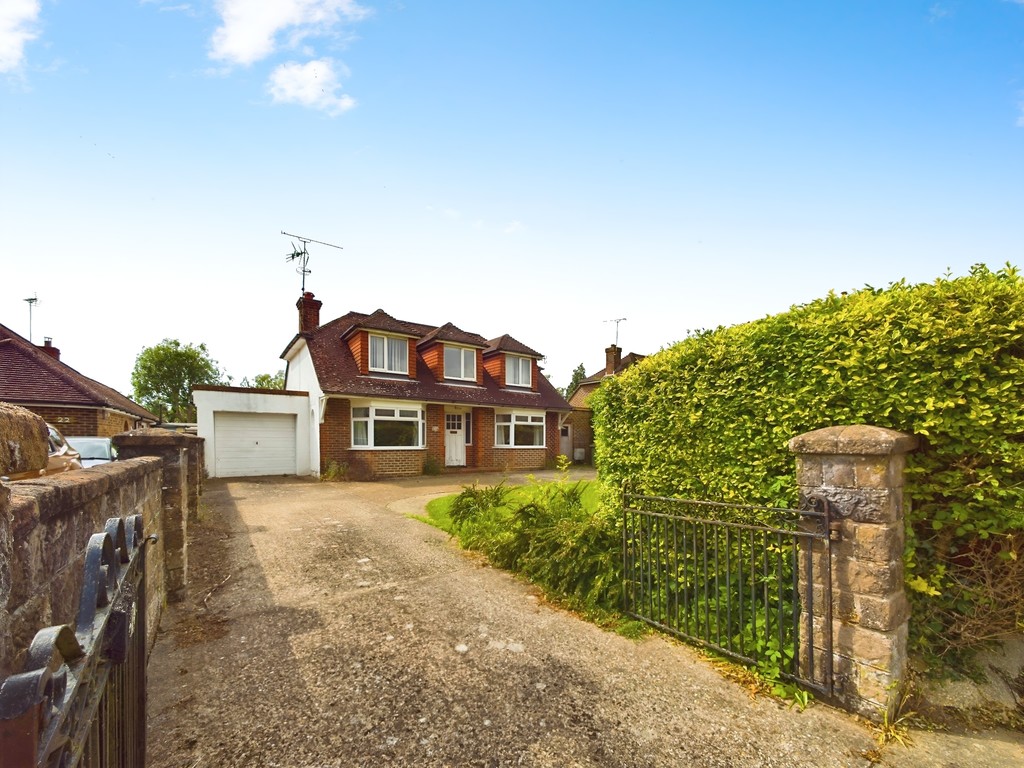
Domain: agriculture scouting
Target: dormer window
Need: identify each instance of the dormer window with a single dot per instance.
(459, 363)
(389, 354)
(518, 371)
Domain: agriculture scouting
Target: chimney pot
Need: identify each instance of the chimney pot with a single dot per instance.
(49, 349)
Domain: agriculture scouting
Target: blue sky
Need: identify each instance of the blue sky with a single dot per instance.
(532, 168)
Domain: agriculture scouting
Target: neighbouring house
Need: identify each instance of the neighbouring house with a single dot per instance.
(34, 377)
(369, 395)
(578, 431)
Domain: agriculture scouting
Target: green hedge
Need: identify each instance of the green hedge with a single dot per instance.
(710, 418)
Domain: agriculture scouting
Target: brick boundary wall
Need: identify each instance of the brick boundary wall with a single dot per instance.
(859, 470)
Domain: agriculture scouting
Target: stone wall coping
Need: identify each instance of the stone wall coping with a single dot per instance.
(853, 440)
(60, 495)
(155, 437)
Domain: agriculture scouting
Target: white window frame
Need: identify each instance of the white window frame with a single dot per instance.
(389, 346)
(514, 371)
(368, 414)
(509, 420)
(465, 353)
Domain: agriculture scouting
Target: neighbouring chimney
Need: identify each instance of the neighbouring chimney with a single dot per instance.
(612, 358)
(309, 313)
(49, 349)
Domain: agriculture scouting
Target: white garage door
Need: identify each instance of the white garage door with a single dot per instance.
(250, 444)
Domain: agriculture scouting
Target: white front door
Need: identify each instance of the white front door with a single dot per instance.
(454, 441)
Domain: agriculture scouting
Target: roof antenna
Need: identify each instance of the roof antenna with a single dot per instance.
(31, 303)
(303, 269)
(616, 320)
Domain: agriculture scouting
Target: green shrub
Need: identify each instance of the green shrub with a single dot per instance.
(710, 417)
(554, 534)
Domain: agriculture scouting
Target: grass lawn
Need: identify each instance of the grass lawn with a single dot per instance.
(437, 510)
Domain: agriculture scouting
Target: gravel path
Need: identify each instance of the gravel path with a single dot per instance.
(327, 628)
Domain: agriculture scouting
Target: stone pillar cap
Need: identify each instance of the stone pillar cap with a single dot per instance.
(853, 440)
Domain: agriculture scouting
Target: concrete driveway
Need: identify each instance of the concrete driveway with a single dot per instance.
(326, 627)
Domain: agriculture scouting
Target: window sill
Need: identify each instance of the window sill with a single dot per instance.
(387, 448)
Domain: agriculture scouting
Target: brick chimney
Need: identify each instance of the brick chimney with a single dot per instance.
(49, 349)
(612, 358)
(309, 313)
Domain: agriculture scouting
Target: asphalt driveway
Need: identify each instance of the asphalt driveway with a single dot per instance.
(325, 627)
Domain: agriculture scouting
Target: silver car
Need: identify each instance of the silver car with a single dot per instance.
(93, 450)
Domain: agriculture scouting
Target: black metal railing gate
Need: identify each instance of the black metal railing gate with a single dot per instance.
(735, 578)
(81, 699)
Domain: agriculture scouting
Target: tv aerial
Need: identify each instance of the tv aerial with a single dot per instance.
(32, 301)
(616, 320)
(302, 256)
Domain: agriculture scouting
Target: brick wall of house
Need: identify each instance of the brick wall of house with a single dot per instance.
(98, 422)
(581, 420)
(336, 433)
(534, 375)
(520, 459)
(435, 433)
(582, 395)
(483, 437)
(372, 464)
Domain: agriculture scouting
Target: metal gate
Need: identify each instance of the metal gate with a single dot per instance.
(739, 579)
(81, 700)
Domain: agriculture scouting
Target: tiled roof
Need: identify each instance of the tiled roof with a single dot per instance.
(338, 372)
(449, 332)
(30, 375)
(382, 321)
(507, 344)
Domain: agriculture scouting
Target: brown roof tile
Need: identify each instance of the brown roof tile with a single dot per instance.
(29, 375)
(507, 344)
(338, 373)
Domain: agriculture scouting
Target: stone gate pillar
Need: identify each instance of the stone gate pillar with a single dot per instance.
(182, 482)
(859, 470)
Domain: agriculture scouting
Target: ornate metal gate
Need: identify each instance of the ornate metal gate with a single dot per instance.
(81, 699)
(752, 583)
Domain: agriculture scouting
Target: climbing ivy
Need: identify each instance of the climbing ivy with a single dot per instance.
(711, 416)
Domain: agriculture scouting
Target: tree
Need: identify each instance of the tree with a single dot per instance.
(164, 375)
(265, 380)
(578, 375)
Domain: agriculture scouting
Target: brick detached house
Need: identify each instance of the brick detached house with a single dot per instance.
(395, 397)
(33, 377)
(579, 429)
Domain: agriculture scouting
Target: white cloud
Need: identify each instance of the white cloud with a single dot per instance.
(17, 27)
(250, 29)
(512, 227)
(313, 84)
(1020, 105)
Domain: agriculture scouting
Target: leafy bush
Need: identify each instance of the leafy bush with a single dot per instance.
(710, 417)
(554, 534)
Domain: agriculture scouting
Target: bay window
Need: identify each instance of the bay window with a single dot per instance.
(519, 429)
(387, 426)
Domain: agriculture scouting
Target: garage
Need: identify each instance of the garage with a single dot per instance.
(252, 432)
(254, 444)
